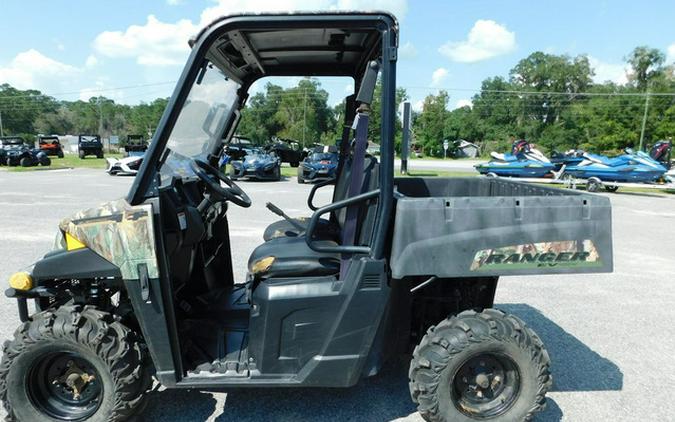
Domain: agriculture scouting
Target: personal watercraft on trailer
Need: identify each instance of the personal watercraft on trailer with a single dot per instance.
(630, 167)
(523, 161)
(571, 157)
(661, 152)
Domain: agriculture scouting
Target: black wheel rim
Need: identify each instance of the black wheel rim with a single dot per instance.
(52, 394)
(486, 385)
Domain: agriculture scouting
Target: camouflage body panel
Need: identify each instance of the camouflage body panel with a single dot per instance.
(568, 253)
(121, 233)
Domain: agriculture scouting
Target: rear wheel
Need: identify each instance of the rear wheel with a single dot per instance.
(60, 154)
(46, 161)
(611, 188)
(477, 366)
(593, 184)
(81, 154)
(26, 162)
(73, 364)
(99, 154)
(295, 164)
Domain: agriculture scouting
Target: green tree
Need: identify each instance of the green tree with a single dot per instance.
(646, 64)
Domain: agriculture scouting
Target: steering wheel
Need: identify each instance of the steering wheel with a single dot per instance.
(232, 192)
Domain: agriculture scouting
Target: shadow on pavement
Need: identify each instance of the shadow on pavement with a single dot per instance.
(381, 398)
(178, 405)
(385, 397)
(574, 365)
(552, 413)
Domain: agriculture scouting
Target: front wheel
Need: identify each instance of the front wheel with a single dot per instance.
(479, 366)
(73, 364)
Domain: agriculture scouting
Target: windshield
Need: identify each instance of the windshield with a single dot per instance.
(88, 139)
(323, 156)
(201, 123)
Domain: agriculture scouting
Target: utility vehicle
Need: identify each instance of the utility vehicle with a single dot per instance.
(50, 145)
(143, 286)
(18, 153)
(288, 151)
(89, 145)
(136, 145)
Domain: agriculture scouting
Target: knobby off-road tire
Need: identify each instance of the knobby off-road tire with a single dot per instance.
(440, 362)
(93, 338)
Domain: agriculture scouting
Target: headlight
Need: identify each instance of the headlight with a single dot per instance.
(21, 281)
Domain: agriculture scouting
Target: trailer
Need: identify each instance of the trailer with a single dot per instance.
(592, 184)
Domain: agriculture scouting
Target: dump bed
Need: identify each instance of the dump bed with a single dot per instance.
(470, 227)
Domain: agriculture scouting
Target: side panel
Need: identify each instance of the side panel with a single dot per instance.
(318, 332)
(515, 232)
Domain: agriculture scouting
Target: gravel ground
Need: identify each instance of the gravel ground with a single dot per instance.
(610, 336)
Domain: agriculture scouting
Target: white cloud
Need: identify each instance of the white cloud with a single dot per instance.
(407, 51)
(615, 72)
(464, 102)
(154, 44)
(398, 7)
(91, 61)
(60, 46)
(349, 89)
(485, 40)
(418, 106)
(33, 70)
(438, 76)
(157, 43)
(174, 2)
(670, 58)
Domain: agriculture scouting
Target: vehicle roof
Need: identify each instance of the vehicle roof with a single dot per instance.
(312, 44)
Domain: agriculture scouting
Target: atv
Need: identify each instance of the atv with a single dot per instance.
(143, 286)
(50, 145)
(17, 153)
(89, 145)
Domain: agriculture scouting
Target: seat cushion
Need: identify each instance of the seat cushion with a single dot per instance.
(291, 257)
(324, 229)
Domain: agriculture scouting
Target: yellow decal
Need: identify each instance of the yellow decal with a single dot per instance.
(72, 243)
(262, 265)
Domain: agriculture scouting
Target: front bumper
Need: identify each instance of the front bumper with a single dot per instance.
(311, 174)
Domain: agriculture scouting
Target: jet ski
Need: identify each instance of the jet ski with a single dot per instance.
(661, 152)
(523, 161)
(571, 157)
(636, 167)
(125, 166)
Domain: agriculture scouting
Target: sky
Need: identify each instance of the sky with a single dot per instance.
(133, 51)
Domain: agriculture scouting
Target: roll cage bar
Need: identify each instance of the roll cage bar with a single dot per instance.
(382, 29)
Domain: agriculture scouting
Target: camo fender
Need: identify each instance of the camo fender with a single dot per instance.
(121, 233)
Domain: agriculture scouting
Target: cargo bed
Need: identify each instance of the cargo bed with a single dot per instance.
(471, 227)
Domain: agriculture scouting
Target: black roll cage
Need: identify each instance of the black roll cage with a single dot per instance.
(146, 183)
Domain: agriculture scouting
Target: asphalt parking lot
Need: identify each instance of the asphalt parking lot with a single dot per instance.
(610, 336)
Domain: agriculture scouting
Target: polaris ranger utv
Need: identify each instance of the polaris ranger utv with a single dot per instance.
(89, 145)
(144, 286)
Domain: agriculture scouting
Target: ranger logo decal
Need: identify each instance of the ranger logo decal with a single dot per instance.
(566, 253)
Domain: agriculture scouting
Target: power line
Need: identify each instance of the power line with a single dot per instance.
(120, 88)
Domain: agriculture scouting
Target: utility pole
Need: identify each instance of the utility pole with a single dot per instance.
(304, 116)
(405, 144)
(644, 121)
(2, 132)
